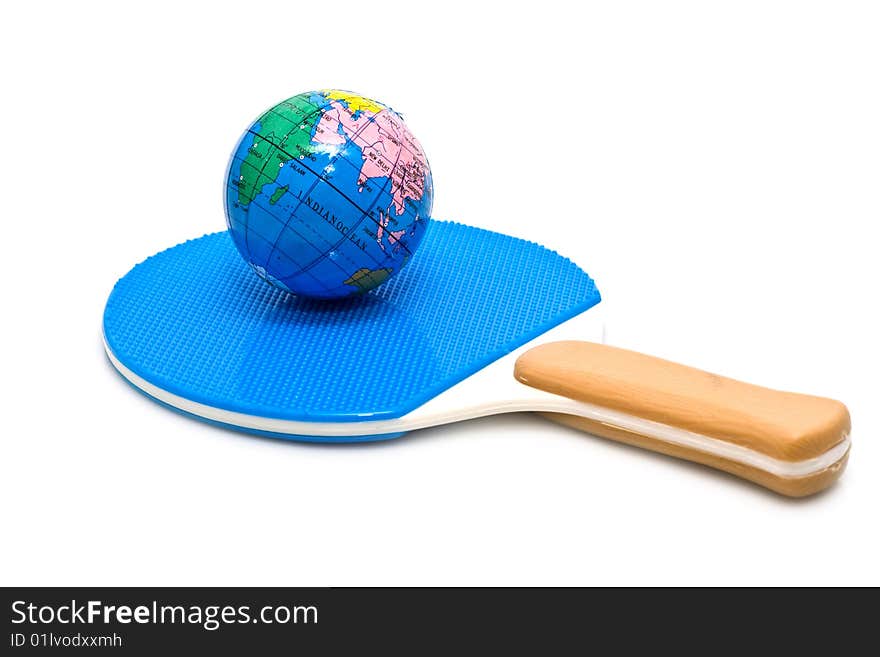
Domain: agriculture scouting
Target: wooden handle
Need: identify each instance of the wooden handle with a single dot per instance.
(772, 427)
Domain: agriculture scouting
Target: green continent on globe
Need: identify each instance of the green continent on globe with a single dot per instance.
(367, 279)
(279, 139)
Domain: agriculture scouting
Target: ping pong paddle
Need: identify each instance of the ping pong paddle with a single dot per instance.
(477, 324)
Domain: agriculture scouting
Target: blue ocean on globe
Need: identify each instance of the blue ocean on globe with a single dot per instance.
(328, 194)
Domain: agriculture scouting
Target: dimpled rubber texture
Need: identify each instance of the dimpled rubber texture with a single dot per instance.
(194, 320)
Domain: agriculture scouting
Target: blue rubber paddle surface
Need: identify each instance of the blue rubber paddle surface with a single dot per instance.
(196, 321)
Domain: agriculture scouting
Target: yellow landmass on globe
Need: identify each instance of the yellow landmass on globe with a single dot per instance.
(354, 101)
(366, 279)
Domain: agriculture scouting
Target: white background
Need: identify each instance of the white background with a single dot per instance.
(713, 165)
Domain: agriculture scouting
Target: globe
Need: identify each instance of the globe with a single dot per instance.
(328, 194)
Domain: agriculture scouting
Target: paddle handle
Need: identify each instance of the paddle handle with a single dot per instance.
(780, 440)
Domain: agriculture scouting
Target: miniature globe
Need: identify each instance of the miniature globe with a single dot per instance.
(328, 194)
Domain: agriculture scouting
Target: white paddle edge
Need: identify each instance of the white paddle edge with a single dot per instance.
(468, 400)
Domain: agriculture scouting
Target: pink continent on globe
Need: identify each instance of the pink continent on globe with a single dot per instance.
(389, 149)
(393, 235)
